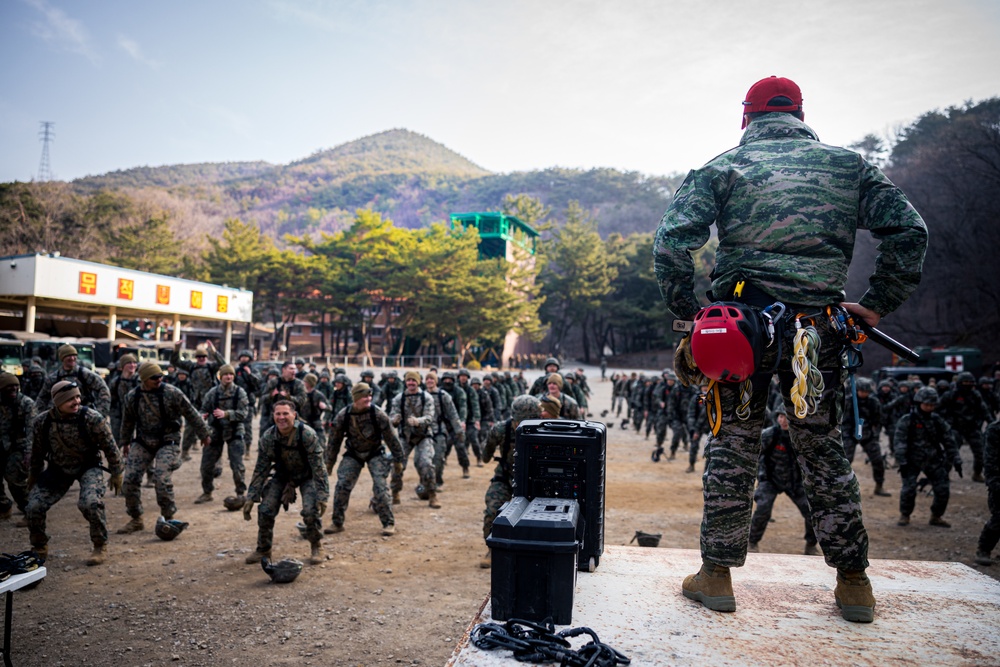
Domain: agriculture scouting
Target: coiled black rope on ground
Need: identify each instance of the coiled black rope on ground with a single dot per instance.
(531, 642)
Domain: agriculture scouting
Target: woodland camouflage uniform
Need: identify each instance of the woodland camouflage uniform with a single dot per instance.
(16, 418)
(294, 461)
(67, 449)
(230, 432)
(447, 424)
(924, 443)
(202, 377)
(500, 441)
(93, 390)
(151, 432)
(416, 439)
(365, 432)
(787, 209)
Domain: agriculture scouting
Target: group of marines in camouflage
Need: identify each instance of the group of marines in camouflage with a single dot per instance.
(144, 421)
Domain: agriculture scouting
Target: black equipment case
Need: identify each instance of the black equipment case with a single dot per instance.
(533, 547)
(564, 458)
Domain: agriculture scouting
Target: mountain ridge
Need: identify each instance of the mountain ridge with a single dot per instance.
(404, 175)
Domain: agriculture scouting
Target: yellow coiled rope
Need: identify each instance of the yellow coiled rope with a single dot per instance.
(743, 407)
(807, 383)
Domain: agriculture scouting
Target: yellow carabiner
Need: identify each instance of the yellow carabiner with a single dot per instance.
(713, 399)
(738, 290)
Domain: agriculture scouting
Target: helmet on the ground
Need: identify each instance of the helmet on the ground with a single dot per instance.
(926, 395)
(168, 529)
(284, 571)
(525, 407)
(422, 492)
(303, 530)
(727, 341)
(233, 503)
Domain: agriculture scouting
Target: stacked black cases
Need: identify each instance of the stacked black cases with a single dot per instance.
(562, 458)
(534, 548)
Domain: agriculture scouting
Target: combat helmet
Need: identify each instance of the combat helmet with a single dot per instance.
(864, 384)
(966, 378)
(233, 503)
(245, 353)
(284, 571)
(168, 529)
(525, 407)
(926, 395)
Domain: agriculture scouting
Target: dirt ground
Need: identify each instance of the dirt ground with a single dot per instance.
(405, 599)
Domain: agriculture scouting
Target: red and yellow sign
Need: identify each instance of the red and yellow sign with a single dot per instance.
(163, 295)
(196, 299)
(88, 283)
(222, 304)
(126, 288)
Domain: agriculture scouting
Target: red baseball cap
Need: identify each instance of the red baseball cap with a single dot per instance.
(762, 92)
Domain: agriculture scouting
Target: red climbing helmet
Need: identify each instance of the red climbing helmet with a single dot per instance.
(727, 341)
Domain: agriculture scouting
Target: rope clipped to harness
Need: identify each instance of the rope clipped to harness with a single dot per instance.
(531, 642)
(807, 382)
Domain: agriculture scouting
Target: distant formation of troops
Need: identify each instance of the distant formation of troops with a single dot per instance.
(925, 428)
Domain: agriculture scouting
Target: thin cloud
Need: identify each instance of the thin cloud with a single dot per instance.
(131, 47)
(61, 30)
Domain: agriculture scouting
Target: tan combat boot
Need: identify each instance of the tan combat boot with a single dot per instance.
(879, 491)
(334, 528)
(904, 520)
(203, 498)
(811, 550)
(316, 556)
(712, 586)
(487, 561)
(465, 472)
(432, 500)
(854, 596)
(389, 529)
(936, 520)
(133, 526)
(395, 497)
(98, 554)
(42, 551)
(257, 556)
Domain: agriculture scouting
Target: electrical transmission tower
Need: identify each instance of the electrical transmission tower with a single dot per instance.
(47, 134)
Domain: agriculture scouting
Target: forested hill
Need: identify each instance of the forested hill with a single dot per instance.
(405, 176)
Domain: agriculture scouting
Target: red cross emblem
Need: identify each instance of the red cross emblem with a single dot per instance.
(954, 362)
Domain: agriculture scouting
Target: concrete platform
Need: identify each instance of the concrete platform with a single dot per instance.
(927, 613)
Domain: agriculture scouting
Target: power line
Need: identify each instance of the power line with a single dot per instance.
(47, 135)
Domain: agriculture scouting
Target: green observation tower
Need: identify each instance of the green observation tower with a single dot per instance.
(498, 233)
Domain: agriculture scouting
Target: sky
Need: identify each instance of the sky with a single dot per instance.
(647, 85)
